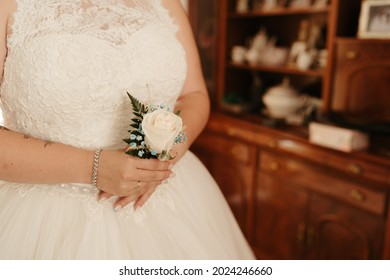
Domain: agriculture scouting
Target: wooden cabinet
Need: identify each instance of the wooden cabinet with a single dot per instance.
(294, 200)
(361, 79)
(351, 68)
(338, 231)
(358, 79)
(321, 216)
(279, 218)
(203, 15)
(245, 82)
(231, 162)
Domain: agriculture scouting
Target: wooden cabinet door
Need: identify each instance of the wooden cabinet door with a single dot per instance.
(235, 182)
(361, 79)
(232, 164)
(339, 231)
(279, 218)
(203, 16)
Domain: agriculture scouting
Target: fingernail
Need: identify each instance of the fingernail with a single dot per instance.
(102, 199)
(165, 182)
(117, 208)
(172, 175)
(170, 166)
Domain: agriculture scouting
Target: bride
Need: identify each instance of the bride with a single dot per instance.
(67, 188)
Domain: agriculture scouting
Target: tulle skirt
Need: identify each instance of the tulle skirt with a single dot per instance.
(186, 218)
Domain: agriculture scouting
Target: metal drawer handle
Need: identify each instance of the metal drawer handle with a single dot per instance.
(232, 131)
(355, 169)
(351, 54)
(357, 195)
(272, 143)
(237, 151)
(274, 166)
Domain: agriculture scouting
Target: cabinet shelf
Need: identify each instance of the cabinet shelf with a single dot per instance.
(278, 12)
(278, 69)
(282, 26)
(359, 40)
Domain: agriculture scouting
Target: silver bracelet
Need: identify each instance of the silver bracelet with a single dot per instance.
(95, 168)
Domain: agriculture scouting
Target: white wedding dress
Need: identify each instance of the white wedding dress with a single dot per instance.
(68, 68)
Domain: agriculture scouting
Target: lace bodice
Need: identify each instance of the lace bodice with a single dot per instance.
(71, 62)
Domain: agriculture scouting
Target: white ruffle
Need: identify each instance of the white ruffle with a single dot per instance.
(184, 219)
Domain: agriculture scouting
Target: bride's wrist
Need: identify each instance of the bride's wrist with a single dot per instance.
(95, 168)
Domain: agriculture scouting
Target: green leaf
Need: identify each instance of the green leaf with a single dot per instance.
(132, 153)
(135, 103)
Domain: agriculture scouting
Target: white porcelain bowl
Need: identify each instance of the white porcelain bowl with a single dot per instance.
(282, 101)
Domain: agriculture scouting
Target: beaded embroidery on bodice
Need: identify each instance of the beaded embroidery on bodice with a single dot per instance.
(71, 62)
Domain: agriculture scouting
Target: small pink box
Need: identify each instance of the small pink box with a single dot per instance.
(342, 139)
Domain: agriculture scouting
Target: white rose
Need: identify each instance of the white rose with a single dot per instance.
(161, 127)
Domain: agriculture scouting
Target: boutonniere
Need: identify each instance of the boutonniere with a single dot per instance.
(155, 129)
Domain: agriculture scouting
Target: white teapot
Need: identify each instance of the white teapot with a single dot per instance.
(282, 100)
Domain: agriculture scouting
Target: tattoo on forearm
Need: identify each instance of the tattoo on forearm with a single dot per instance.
(48, 143)
(3, 128)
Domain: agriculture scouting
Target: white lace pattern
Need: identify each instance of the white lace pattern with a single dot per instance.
(71, 62)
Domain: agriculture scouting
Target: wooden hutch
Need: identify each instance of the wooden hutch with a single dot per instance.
(293, 199)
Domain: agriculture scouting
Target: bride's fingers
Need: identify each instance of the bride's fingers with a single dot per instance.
(138, 191)
(103, 196)
(143, 198)
(147, 175)
(153, 164)
(123, 201)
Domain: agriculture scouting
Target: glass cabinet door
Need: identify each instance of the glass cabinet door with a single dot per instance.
(204, 20)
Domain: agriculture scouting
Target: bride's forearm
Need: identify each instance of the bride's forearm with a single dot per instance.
(25, 159)
(194, 109)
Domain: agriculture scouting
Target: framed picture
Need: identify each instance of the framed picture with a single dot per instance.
(320, 3)
(374, 20)
(298, 4)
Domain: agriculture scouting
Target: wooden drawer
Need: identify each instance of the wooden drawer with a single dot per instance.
(323, 181)
(245, 134)
(339, 161)
(238, 150)
(360, 169)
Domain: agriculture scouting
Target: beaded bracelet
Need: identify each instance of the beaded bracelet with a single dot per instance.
(95, 168)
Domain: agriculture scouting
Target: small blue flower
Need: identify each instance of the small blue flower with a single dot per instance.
(132, 136)
(180, 138)
(133, 144)
(153, 152)
(139, 137)
(142, 143)
(141, 153)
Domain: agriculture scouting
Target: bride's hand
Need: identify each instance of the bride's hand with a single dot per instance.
(140, 197)
(122, 175)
